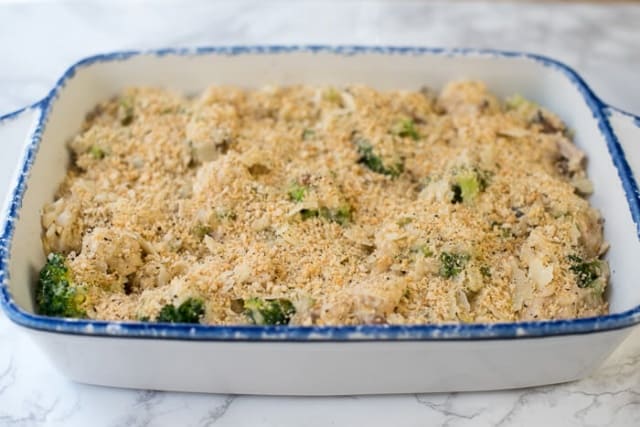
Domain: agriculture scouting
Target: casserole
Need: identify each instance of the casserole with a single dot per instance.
(319, 360)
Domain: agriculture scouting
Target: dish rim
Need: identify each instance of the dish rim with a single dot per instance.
(421, 332)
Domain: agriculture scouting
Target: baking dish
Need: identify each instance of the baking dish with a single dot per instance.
(318, 360)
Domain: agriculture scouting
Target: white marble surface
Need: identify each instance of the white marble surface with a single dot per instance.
(38, 40)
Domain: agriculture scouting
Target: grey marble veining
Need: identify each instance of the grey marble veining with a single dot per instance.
(38, 40)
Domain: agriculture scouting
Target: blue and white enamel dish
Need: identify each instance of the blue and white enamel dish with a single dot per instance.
(318, 360)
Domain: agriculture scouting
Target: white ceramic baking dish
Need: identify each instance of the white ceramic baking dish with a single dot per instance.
(318, 360)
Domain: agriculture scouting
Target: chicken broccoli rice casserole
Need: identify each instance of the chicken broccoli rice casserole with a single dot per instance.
(326, 205)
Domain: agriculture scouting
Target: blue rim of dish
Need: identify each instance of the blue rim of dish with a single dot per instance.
(470, 331)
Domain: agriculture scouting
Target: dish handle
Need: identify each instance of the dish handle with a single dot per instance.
(16, 131)
(626, 128)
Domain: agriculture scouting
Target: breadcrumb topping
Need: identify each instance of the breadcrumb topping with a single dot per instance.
(351, 204)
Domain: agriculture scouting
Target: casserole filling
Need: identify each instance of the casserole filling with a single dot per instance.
(323, 206)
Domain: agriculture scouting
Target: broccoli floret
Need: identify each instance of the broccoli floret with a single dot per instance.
(530, 111)
(332, 95)
(269, 311)
(308, 134)
(125, 111)
(518, 101)
(485, 271)
(426, 251)
(226, 214)
(373, 162)
(297, 193)
(369, 159)
(97, 152)
(468, 184)
(201, 230)
(341, 215)
(306, 214)
(57, 294)
(404, 221)
(586, 272)
(406, 128)
(451, 264)
(190, 311)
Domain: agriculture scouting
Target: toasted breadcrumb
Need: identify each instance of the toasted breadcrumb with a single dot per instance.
(357, 205)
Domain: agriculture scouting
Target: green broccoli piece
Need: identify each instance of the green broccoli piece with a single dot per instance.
(426, 251)
(97, 152)
(404, 221)
(201, 230)
(308, 134)
(485, 271)
(406, 128)
(57, 294)
(341, 215)
(190, 311)
(525, 108)
(125, 111)
(269, 311)
(586, 272)
(369, 159)
(331, 94)
(306, 214)
(226, 214)
(516, 101)
(297, 193)
(468, 184)
(373, 162)
(451, 264)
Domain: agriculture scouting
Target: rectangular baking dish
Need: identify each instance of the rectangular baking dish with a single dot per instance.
(318, 360)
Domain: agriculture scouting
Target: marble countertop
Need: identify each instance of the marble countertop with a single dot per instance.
(38, 40)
